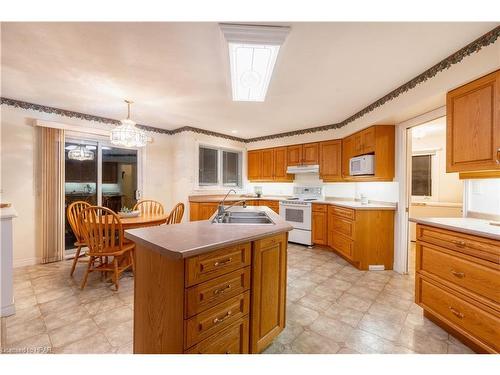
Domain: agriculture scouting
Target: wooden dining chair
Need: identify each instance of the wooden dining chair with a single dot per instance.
(72, 214)
(175, 216)
(103, 234)
(149, 207)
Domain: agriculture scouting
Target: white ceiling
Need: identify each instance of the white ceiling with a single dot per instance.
(178, 73)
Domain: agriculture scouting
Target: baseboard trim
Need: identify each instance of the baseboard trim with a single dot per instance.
(27, 262)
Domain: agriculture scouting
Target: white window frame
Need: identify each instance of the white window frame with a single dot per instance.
(219, 185)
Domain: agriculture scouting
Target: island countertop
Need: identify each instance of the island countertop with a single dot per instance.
(197, 237)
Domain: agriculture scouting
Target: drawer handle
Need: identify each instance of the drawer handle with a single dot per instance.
(228, 351)
(457, 313)
(220, 320)
(223, 262)
(460, 275)
(459, 243)
(222, 290)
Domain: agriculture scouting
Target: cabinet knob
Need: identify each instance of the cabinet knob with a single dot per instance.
(455, 312)
(460, 275)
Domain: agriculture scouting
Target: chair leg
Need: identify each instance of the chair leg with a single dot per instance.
(75, 261)
(132, 260)
(87, 271)
(115, 264)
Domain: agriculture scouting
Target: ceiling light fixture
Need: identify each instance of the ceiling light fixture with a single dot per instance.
(80, 153)
(127, 134)
(253, 51)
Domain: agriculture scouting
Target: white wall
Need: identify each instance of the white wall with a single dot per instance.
(17, 183)
(483, 197)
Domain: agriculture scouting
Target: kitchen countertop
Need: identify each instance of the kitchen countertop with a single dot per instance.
(477, 227)
(342, 202)
(197, 237)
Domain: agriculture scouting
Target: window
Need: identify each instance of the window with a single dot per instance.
(208, 167)
(421, 179)
(219, 167)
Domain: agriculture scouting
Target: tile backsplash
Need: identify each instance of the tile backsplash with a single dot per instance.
(377, 191)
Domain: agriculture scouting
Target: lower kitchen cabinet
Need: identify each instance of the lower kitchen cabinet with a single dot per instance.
(269, 263)
(457, 283)
(201, 210)
(363, 237)
(319, 224)
(227, 301)
(273, 205)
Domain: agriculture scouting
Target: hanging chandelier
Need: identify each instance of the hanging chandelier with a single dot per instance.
(127, 134)
(80, 153)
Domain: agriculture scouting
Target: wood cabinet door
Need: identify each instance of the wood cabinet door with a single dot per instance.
(280, 165)
(347, 154)
(268, 291)
(357, 144)
(206, 210)
(254, 164)
(267, 172)
(368, 140)
(473, 125)
(294, 155)
(319, 228)
(330, 162)
(310, 153)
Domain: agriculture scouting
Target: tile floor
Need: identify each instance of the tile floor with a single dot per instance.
(332, 308)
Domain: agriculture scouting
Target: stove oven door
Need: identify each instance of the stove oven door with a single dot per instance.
(298, 216)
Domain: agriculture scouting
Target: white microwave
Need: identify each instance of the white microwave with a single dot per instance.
(362, 165)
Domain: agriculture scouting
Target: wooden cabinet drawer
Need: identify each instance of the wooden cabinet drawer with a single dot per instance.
(216, 263)
(478, 322)
(270, 241)
(342, 244)
(319, 207)
(346, 213)
(460, 270)
(210, 293)
(475, 246)
(210, 321)
(232, 340)
(343, 226)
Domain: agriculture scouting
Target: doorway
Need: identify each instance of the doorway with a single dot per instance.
(100, 174)
(431, 191)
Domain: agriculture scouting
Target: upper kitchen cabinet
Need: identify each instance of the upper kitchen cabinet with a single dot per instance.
(280, 165)
(294, 155)
(310, 153)
(377, 140)
(330, 160)
(267, 172)
(254, 165)
(473, 126)
(303, 154)
(268, 165)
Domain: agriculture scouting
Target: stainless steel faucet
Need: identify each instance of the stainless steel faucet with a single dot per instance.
(221, 211)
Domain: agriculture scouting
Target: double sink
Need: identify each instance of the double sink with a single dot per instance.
(239, 217)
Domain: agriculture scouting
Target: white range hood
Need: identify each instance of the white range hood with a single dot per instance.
(297, 169)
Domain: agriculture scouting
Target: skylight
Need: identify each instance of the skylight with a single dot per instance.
(253, 51)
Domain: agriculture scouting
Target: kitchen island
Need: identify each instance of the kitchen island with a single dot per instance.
(203, 287)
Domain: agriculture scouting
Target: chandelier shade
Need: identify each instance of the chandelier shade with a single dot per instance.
(80, 153)
(127, 134)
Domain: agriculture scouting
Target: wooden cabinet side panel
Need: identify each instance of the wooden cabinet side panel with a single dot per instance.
(319, 228)
(268, 291)
(158, 303)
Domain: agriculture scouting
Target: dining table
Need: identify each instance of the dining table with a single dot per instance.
(143, 220)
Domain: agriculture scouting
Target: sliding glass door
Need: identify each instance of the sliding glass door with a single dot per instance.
(100, 174)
